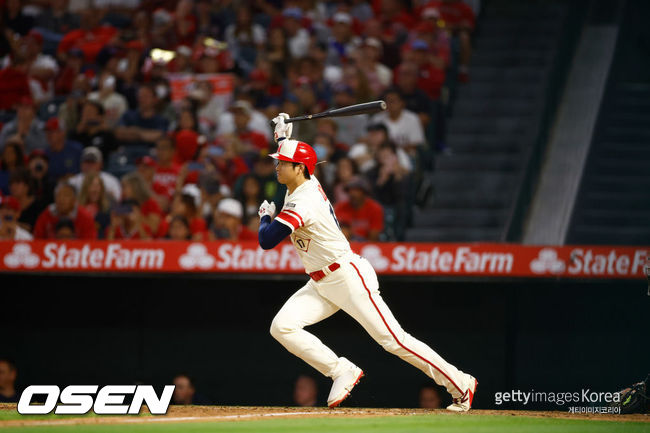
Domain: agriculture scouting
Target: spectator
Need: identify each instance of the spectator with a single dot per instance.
(70, 110)
(186, 204)
(26, 126)
(429, 397)
(355, 79)
(228, 222)
(351, 128)
(390, 181)
(144, 125)
(305, 391)
(179, 229)
(212, 192)
(21, 186)
(404, 127)
(326, 153)
(14, 83)
(64, 229)
(94, 199)
(8, 373)
(431, 77)
(187, 146)
(93, 130)
(9, 228)
(90, 38)
(245, 38)
(15, 20)
(251, 141)
(250, 196)
(257, 122)
(11, 159)
(346, 169)
(114, 104)
(166, 172)
(57, 19)
(64, 156)
(39, 169)
(43, 68)
(414, 99)
(91, 162)
(297, 36)
(134, 187)
(460, 21)
(364, 215)
(377, 136)
(65, 206)
(185, 391)
(278, 55)
(342, 41)
(127, 222)
(380, 77)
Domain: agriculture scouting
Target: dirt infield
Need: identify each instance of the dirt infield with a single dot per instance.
(240, 413)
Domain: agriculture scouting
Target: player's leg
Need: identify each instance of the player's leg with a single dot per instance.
(304, 308)
(356, 291)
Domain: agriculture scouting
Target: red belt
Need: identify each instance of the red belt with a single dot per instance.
(319, 275)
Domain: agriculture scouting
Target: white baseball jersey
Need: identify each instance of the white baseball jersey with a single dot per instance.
(315, 231)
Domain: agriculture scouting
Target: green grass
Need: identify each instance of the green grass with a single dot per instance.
(394, 424)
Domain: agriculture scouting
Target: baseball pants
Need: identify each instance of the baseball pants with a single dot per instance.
(354, 289)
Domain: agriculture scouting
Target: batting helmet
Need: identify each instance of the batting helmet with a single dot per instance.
(296, 151)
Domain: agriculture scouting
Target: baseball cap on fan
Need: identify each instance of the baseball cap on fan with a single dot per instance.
(91, 154)
(231, 207)
(10, 202)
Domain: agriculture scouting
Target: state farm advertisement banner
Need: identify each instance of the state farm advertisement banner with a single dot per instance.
(425, 259)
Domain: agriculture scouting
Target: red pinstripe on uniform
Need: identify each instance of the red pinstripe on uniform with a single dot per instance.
(395, 337)
(288, 219)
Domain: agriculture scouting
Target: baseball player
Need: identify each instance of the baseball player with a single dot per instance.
(339, 279)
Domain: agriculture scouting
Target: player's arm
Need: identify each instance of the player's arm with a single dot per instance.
(271, 232)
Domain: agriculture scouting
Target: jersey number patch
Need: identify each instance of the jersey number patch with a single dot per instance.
(302, 244)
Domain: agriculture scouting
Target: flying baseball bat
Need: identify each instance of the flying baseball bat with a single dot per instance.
(350, 110)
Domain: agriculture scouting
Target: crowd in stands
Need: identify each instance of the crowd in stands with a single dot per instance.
(96, 142)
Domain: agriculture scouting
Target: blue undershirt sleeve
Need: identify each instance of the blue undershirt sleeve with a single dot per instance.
(271, 233)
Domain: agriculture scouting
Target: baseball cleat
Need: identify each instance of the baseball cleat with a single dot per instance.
(464, 403)
(343, 385)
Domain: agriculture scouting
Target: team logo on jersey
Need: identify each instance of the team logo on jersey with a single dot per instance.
(301, 243)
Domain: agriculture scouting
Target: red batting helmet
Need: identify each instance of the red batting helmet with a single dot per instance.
(296, 151)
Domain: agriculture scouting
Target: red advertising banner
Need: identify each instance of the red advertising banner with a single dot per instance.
(425, 259)
(181, 84)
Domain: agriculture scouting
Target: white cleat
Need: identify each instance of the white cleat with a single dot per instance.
(464, 403)
(343, 385)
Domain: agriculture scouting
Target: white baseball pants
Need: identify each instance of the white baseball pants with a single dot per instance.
(354, 289)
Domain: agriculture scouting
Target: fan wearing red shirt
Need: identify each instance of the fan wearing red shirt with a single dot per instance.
(185, 204)
(364, 215)
(127, 222)
(90, 38)
(459, 18)
(164, 178)
(65, 206)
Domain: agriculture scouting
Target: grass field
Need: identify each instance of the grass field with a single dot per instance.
(252, 420)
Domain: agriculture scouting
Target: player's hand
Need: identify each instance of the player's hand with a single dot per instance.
(282, 130)
(267, 208)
